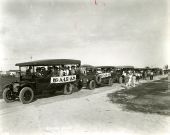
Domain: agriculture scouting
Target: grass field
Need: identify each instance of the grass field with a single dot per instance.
(151, 97)
(4, 80)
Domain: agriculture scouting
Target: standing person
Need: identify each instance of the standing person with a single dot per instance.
(126, 79)
(133, 79)
(124, 75)
(130, 79)
(145, 75)
(78, 71)
(151, 75)
(137, 77)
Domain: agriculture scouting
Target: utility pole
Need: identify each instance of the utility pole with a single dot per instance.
(31, 58)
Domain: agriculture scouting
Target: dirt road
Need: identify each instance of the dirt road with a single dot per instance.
(83, 112)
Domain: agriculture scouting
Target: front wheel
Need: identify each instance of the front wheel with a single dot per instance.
(8, 95)
(92, 85)
(26, 95)
(98, 79)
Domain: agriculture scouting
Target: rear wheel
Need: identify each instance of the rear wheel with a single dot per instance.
(98, 79)
(110, 82)
(92, 85)
(26, 95)
(8, 95)
(68, 89)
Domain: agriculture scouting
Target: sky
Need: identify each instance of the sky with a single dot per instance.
(101, 32)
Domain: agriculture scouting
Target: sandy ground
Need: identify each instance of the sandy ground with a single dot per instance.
(84, 112)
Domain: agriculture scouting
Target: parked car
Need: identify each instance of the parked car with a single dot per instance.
(88, 76)
(92, 78)
(109, 69)
(37, 77)
(104, 75)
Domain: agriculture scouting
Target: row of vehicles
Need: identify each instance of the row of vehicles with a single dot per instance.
(65, 75)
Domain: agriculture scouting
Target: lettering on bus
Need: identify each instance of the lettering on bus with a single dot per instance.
(63, 79)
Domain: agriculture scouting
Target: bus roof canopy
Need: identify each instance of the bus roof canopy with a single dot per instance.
(49, 62)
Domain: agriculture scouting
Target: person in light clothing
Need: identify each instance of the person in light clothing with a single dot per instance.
(130, 79)
(134, 80)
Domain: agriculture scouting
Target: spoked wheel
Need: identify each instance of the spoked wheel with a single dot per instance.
(8, 95)
(92, 85)
(110, 82)
(26, 95)
(68, 89)
(98, 79)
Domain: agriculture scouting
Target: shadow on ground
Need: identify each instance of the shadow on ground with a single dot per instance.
(151, 97)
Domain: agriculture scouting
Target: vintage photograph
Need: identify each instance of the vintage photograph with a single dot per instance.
(84, 67)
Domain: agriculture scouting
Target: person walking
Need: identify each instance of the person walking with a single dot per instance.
(151, 75)
(133, 79)
(137, 76)
(130, 79)
(126, 79)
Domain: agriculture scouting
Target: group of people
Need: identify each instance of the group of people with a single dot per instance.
(54, 71)
(131, 78)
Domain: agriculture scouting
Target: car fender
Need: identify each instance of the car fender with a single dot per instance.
(7, 86)
(26, 85)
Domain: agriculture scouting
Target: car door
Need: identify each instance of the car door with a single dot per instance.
(43, 84)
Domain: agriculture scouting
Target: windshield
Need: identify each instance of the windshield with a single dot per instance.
(27, 70)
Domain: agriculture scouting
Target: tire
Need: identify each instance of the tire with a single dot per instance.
(110, 82)
(68, 89)
(26, 95)
(8, 95)
(92, 85)
(98, 79)
(120, 80)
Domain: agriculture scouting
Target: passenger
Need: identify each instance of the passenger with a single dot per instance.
(61, 71)
(28, 71)
(49, 71)
(66, 70)
(53, 72)
(43, 71)
(103, 70)
(56, 72)
(99, 71)
(73, 71)
(38, 72)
